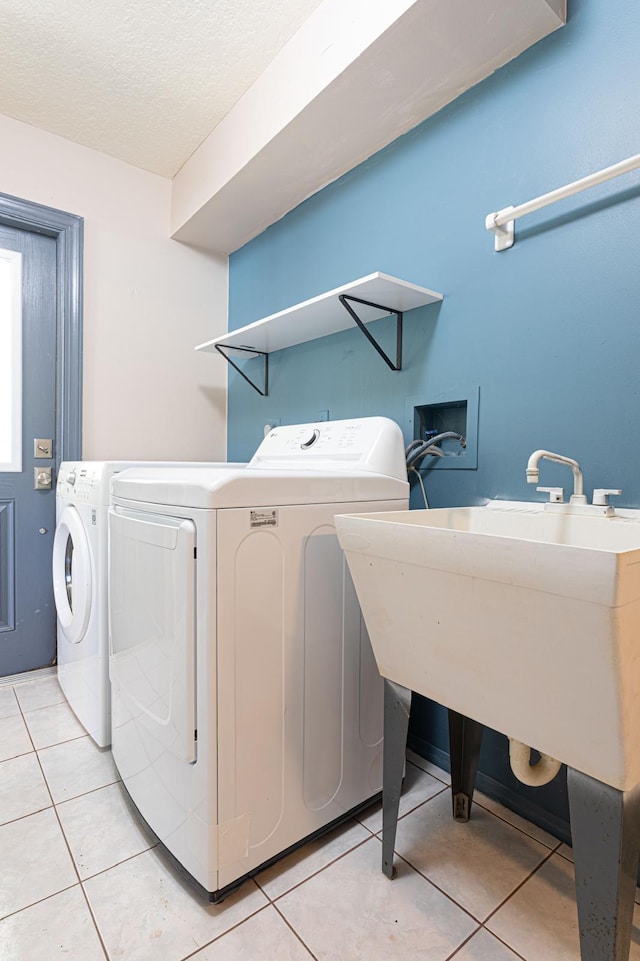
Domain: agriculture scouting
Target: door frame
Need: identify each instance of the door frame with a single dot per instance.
(68, 232)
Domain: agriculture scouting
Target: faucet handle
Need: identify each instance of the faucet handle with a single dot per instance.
(556, 494)
(601, 496)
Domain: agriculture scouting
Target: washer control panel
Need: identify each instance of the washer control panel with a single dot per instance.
(81, 480)
(366, 443)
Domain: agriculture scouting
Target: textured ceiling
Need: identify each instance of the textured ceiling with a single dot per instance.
(142, 80)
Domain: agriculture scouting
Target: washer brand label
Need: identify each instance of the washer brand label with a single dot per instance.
(263, 518)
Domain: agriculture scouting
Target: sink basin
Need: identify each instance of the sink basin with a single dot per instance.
(523, 619)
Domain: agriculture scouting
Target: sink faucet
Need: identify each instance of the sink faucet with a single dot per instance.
(578, 496)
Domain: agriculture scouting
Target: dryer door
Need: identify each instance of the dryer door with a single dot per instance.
(72, 574)
(152, 634)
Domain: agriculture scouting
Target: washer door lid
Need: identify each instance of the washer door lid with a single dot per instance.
(72, 574)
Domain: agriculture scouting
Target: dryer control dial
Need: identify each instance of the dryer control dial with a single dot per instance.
(310, 441)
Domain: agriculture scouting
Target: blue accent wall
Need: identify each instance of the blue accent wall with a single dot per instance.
(549, 330)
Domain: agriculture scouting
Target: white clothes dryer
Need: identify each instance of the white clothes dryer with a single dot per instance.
(80, 588)
(247, 707)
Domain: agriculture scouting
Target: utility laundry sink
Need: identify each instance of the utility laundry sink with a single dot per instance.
(523, 619)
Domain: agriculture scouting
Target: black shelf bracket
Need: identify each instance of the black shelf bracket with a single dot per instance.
(344, 298)
(256, 353)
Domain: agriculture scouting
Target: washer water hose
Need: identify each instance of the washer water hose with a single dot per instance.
(535, 775)
(418, 448)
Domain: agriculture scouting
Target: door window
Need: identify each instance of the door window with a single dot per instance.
(10, 360)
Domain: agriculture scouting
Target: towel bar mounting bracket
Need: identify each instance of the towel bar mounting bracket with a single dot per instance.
(504, 234)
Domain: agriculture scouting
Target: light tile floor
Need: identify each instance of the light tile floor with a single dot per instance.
(81, 879)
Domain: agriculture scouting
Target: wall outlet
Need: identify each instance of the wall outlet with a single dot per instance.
(323, 415)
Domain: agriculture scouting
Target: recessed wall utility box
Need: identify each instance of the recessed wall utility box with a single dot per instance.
(454, 410)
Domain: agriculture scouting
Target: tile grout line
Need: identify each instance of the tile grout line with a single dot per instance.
(93, 790)
(412, 810)
(479, 921)
(23, 817)
(76, 797)
(363, 825)
(502, 941)
(8, 687)
(80, 881)
(35, 752)
(519, 886)
(12, 914)
(95, 922)
(314, 874)
(481, 925)
(41, 707)
(90, 877)
(44, 707)
(566, 857)
(26, 727)
(64, 836)
(463, 943)
(484, 807)
(293, 930)
(396, 854)
(73, 860)
(517, 828)
(223, 934)
(438, 888)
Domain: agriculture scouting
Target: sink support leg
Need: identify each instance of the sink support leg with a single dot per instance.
(397, 706)
(465, 740)
(605, 828)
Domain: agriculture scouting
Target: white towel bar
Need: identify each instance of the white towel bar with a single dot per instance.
(501, 222)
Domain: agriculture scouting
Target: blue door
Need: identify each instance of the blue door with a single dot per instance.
(28, 311)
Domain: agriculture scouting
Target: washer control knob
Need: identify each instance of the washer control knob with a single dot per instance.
(310, 441)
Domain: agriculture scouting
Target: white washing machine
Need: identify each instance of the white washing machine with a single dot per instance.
(247, 707)
(80, 589)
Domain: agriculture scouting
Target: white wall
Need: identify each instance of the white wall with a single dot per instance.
(148, 300)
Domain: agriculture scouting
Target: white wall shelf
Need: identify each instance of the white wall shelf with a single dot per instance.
(377, 295)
